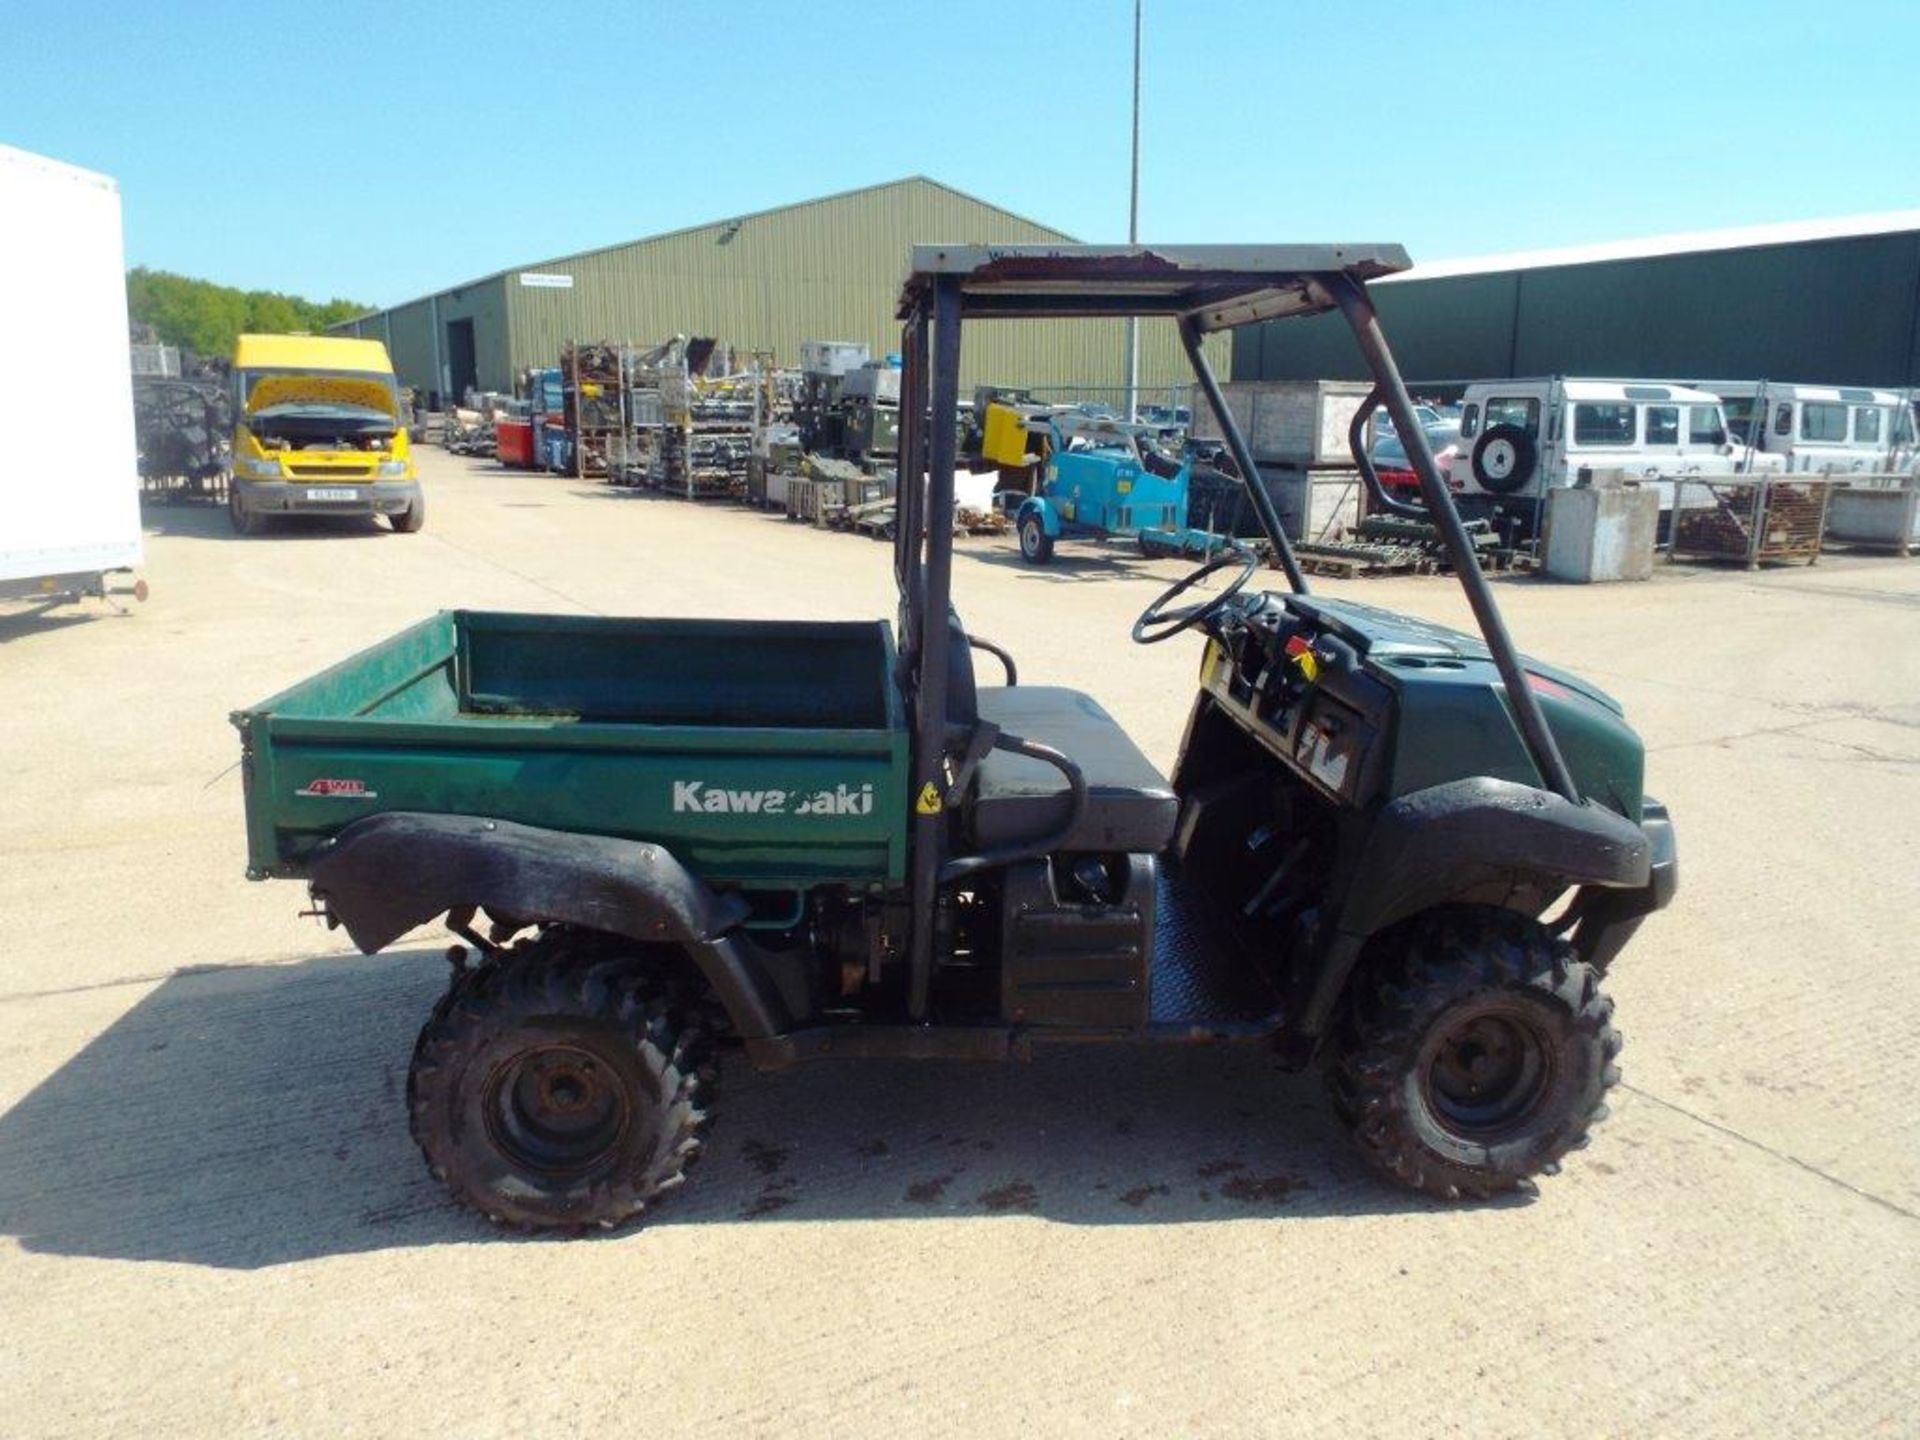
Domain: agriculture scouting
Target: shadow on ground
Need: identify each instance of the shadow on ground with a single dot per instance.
(255, 1116)
(1073, 561)
(205, 520)
(23, 619)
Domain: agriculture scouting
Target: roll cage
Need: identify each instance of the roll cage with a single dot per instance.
(1203, 289)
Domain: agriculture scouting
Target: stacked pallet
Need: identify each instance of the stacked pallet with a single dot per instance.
(702, 447)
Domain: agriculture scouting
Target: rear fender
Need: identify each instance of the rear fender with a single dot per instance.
(382, 876)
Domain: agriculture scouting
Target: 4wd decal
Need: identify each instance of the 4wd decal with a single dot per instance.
(696, 797)
(325, 789)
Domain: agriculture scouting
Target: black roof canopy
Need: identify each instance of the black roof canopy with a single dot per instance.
(1215, 286)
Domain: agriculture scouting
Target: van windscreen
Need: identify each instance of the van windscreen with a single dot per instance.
(1704, 427)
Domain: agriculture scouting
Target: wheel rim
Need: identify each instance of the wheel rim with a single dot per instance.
(1030, 537)
(557, 1110)
(1499, 460)
(1488, 1074)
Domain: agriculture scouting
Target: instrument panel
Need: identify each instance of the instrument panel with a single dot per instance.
(1301, 692)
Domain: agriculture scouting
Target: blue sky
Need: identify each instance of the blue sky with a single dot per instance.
(380, 150)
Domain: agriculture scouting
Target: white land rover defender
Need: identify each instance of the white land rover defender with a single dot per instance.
(1521, 438)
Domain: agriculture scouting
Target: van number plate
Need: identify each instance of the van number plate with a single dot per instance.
(332, 493)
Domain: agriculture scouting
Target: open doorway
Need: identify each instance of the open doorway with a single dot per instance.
(462, 368)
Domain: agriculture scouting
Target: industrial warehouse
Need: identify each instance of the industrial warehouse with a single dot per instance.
(1095, 791)
(765, 282)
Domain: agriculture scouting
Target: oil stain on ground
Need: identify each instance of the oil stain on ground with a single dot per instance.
(1015, 1195)
(765, 1158)
(1271, 1189)
(926, 1192)
(774, 1195)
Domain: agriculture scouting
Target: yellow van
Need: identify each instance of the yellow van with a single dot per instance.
(318, 431)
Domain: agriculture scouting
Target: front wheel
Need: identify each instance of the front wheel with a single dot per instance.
(1475, 1055)
(409, 520)
(1035, 544)
(558, 1088)
(245, 521)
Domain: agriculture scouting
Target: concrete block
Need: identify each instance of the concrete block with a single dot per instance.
(1598, 534)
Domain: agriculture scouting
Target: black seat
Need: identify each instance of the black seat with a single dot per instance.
(1130, 806)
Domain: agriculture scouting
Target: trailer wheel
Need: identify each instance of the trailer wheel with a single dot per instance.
(1475, 1055)
(1503, 459)
(1035, 544)
(556, 1088)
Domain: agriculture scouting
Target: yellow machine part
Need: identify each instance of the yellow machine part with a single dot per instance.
(1003, 438)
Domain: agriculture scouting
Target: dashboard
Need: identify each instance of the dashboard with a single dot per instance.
(1291, 679)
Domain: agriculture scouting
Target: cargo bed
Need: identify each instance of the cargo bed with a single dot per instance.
(766, 754)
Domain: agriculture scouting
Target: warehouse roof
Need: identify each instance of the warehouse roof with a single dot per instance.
(1746, 237)
(562, 261)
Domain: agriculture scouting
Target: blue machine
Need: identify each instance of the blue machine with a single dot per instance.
(1106, 478)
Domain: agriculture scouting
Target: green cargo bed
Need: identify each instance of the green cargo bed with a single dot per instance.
(762, 753)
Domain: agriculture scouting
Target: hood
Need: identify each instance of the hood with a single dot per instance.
(369, 392)
(1383, 633)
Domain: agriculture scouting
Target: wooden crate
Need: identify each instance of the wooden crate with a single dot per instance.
(814, 500)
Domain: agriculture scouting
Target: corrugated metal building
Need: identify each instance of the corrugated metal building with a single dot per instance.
(1833, 302)
(827, 269)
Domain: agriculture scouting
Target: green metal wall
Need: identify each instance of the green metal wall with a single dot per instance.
(1842, 311)
(826, 270)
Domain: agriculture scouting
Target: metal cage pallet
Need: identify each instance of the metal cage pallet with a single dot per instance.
(1750, 518)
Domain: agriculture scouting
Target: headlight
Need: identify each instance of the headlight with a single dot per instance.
(256, 469)
(393, 468)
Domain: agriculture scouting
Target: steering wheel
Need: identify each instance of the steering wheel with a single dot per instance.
(1157, 622)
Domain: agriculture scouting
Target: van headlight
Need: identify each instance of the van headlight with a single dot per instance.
(392, 469)
(249, 468)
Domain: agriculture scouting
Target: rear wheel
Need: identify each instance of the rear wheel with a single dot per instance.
(1035, 544)
(555, 1087)
(1475, 1055)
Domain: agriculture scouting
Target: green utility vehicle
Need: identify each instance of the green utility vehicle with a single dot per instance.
(1404, 853)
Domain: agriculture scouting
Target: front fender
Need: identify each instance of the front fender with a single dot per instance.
(382, 876)
(1435, 845)
(1039, 505)
(1439, 845)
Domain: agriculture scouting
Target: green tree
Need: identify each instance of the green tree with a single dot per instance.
(201, 316)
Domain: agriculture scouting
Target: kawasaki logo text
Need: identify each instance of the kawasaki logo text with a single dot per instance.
(696, 797)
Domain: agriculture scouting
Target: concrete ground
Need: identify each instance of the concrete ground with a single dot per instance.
(212, 1219)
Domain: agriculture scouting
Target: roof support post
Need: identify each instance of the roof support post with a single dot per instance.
(908, 498)
(1365, 324)
(1256, 488)
(930, 703)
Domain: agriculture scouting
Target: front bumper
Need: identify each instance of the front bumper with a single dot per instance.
(304, 497)
(1608, 918)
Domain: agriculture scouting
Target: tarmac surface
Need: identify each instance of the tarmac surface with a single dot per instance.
(212, 1220)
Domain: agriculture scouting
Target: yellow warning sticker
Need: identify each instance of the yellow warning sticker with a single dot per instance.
(929, 801)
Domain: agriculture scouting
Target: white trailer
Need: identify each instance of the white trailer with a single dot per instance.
(69, 503)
